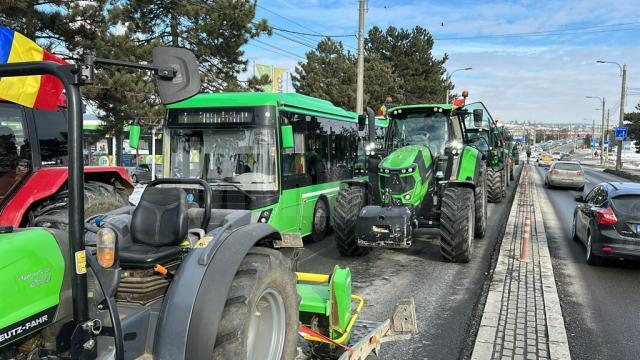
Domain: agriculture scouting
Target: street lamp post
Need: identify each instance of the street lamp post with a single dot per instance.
(623, 73)
(601, 129)
(448, 78)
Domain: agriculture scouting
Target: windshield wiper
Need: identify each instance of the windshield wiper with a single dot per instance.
(223, 183)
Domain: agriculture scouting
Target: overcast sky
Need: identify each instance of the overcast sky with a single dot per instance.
(519, 77)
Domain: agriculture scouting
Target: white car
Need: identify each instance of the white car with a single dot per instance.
(568, 174)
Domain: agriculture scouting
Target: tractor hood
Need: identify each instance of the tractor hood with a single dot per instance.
(404, 157)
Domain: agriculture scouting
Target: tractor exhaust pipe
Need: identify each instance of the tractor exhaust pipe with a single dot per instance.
(371, 122)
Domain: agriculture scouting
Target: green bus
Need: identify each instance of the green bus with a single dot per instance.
(235, 141)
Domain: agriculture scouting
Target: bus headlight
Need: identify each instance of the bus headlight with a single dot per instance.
(106, 247)
(264, 216)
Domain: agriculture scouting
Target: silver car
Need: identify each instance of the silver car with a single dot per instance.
(565, 174)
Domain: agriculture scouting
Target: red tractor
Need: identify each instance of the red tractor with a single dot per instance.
(33, 171)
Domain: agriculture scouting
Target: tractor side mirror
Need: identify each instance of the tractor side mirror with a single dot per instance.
(184, 82)
(134, 134)
(362, 121)
(371, 116)
(579, 198)
(286, 132)
(477, 117)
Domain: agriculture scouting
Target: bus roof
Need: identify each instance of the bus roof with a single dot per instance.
(285, 101)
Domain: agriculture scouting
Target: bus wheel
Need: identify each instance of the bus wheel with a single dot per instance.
(320, 221)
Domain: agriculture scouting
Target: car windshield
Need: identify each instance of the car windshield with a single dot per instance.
(568, 166)
(430, 129)
(245, 157)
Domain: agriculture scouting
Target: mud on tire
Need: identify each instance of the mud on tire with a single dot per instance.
(457, 224)
(494, 185)
(349, 201)
(262, 271)
(99, 198)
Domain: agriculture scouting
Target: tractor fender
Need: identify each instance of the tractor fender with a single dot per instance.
(197, 296)
(457, 183)
(45, 182)
(357, 182)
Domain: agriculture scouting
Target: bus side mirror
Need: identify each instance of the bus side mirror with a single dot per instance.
(184, 82)
(477, 117)
(362, 120)
(286, 132)
(134, 135)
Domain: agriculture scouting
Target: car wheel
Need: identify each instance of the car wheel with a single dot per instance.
(592, 259)
(574, 233)
(581, 188)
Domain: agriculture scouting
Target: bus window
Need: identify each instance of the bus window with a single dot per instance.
(293, 162)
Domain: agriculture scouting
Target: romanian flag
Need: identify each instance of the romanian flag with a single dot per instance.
(37, 91)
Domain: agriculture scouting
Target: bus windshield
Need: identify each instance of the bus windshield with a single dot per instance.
(430, 129)
(245, 157)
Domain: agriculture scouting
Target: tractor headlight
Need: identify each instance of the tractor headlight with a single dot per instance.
(407, 196)
(106, 247)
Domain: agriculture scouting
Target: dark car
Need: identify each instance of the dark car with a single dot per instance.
(142, 173)
(607, 221)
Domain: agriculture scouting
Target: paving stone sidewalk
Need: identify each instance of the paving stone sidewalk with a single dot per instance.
(522, 318)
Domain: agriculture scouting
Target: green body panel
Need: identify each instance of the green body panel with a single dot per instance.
(314, 298)
(404, 158)
(340, 284)
(294, 211)
(468, 163)
(319, 299)
(32, 273)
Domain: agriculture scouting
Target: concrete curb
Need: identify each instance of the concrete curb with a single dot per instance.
(558, 342)
(556, 338)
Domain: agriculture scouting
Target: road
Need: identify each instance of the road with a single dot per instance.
(600, 304)
(445, 294)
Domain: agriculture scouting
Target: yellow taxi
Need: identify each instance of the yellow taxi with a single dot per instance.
(545, 159)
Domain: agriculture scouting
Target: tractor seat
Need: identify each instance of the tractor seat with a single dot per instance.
(158, 225)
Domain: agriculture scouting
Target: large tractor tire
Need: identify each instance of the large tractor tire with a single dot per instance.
(260, 317)
(494, 185)
(457, 224)
(349, 201)
(480, 199)
(99, 198)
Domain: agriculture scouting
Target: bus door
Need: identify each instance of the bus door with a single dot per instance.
(295, 176)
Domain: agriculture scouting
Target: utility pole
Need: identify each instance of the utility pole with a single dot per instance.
(606, 132)
(602, 136)
(621, 122)
(360, 80)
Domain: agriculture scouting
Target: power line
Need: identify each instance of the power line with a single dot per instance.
(316, 35)
(277, 50)
(557, 32)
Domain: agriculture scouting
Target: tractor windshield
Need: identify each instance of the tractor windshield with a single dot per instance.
(419, 128)
(245, 157)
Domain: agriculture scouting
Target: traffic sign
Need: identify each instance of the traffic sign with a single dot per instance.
(621, 133)
(607, 143)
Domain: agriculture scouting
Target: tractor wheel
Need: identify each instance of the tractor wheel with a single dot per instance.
(512, 176)
(456, 224)
(260, 317)
(99, 198)
(494, 185)
(480, 199)
(349, 201)
(320, 221)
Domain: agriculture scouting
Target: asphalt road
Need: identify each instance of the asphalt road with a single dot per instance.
(445, 294)
(600, 304)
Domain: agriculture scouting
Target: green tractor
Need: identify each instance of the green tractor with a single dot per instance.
(170, 278)
(491, 141)
(425, 174)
